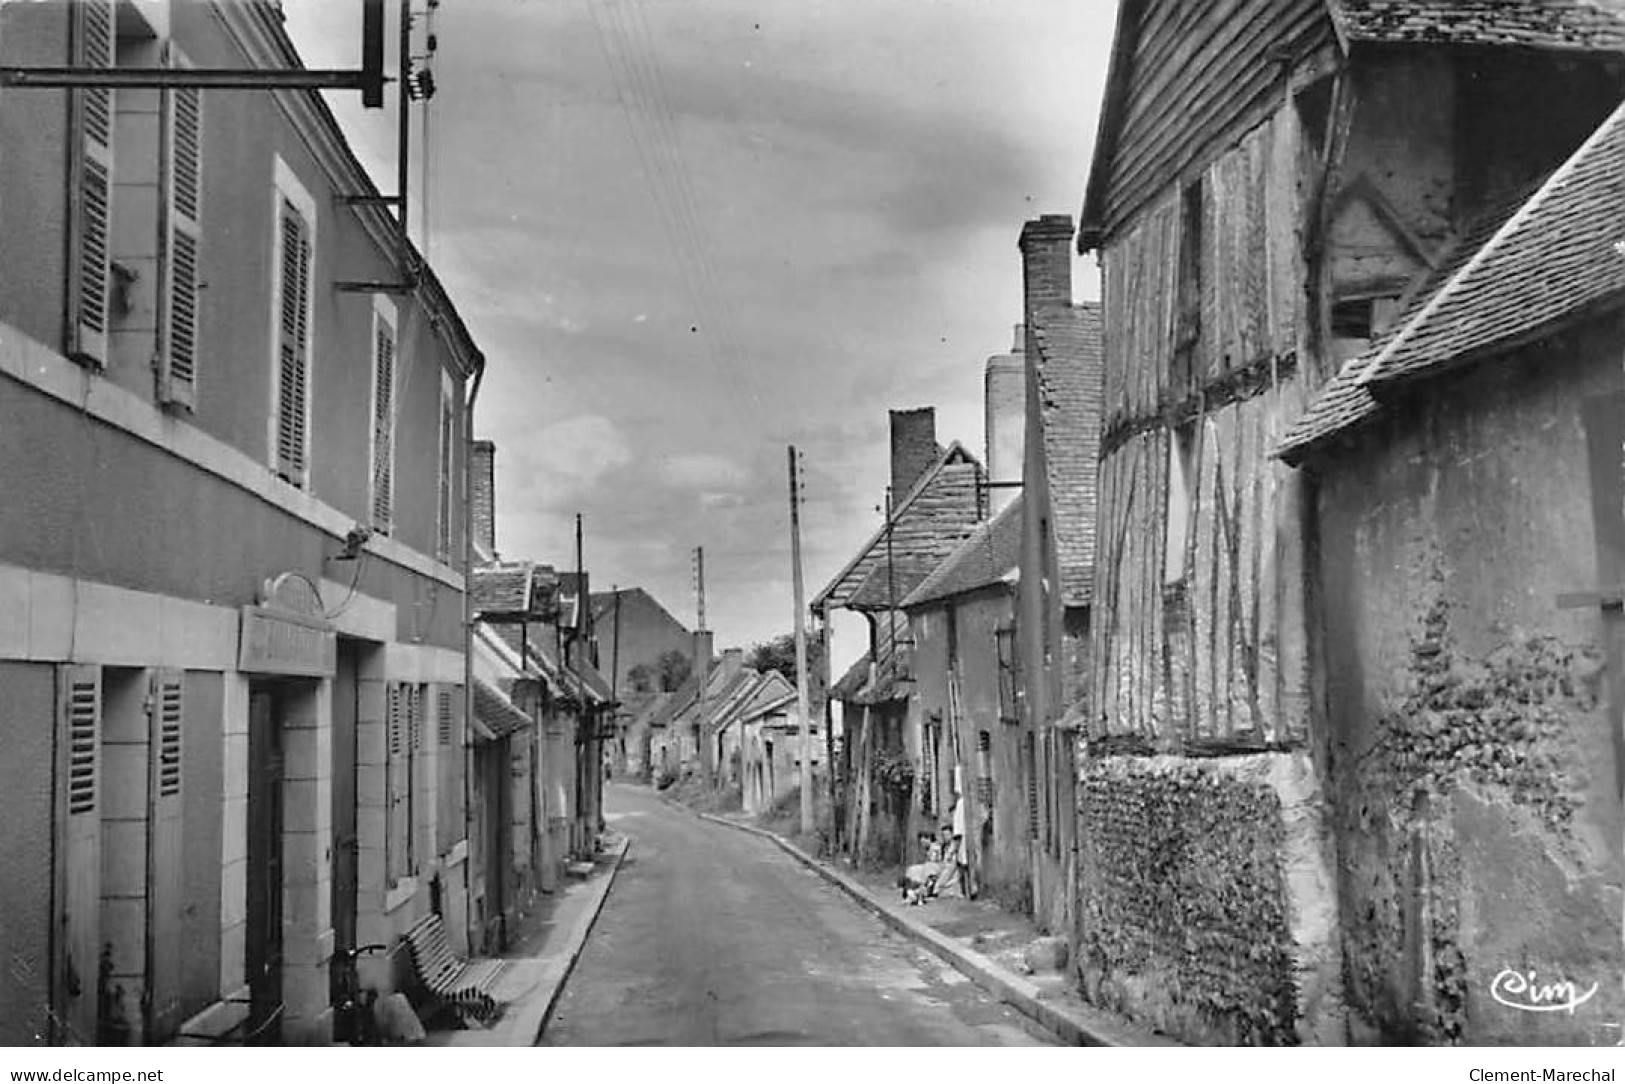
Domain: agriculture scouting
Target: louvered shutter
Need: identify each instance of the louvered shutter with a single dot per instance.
(416, 788)
(397, 766)
(1032, 788)
(448, 434)
(77, 937)
(92, 187)
(293, 345)
(164, 886)
(383, 425)
(449, 764)
(182, 238)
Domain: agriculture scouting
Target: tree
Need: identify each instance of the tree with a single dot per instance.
(779, 654)
(674, 667)
(643, 677)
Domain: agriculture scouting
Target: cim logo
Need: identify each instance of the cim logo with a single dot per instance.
(1521, 990)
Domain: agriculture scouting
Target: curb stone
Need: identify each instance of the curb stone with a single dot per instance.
(1085, 1028)
(578, 940)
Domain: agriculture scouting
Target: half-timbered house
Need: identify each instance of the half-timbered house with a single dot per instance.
(1273, 181)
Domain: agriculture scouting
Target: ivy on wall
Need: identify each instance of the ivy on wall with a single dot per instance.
(1500, 723)
(1182, 893)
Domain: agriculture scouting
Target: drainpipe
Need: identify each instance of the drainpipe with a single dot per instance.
(468, 643)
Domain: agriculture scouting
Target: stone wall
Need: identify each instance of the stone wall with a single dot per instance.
(1205, 898)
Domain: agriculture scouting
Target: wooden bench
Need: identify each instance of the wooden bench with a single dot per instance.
(464, 985)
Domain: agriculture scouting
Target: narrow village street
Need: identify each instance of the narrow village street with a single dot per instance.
(714, 937)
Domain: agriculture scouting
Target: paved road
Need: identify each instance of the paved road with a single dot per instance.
(711, 936)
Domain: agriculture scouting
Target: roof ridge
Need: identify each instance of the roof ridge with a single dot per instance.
(919, 487)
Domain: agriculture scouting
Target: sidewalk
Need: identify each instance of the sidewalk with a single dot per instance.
(543, 951)
(979, 940)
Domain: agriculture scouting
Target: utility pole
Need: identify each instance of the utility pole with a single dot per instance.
(801, 649)
(702, 668)
(615, 676)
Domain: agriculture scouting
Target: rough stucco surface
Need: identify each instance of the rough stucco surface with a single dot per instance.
(25, 851)
(1446, 534)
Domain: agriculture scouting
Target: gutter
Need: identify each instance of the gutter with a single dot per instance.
(468, 632)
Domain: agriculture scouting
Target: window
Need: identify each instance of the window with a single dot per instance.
(383, 416)
(1181, 492)
(1009, 674)
(448, 445)
(91, 180)
(295, 248)
(180, 240)
(403, 711)
(1189, 286)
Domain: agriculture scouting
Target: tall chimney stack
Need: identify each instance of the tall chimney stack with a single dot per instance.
(1004, 401)
(913, 447)
(483, 497)
(1046, 268)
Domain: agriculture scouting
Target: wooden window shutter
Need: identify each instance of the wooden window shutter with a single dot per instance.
(165, 897)
(1005, 642)
(383, 425)
(182, 240)
(415, 785)
(1032, 788)
(397, 767)
(293, 346)
(92, 187)
(449, 826)
(76, 939)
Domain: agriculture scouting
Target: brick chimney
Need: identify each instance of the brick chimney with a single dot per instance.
(1004, 401)
(483, 496)
(1046, 267)
(913, 447)
(733, 661)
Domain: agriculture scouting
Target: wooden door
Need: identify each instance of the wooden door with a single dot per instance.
(346, 847)
(165, 896)
(74, 948)
(264, 935)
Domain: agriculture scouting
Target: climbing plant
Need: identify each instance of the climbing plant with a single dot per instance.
(1183, 893)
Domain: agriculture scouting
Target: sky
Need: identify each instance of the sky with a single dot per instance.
(689, 233)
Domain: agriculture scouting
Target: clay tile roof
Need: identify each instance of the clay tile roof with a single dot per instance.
(885, 589)
(1541, 24)
(985, 558)
(502, 588)
(927, 524)
(1070, 366)
(495, 712)
(1345, 401)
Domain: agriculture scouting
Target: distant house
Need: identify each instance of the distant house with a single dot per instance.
(876, 754)
(1469, 498)
(770, 742)
(634, 630)
(936, 499)
(972, 744)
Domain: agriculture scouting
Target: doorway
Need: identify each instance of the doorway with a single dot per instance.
(346, 843)
(263, 962)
